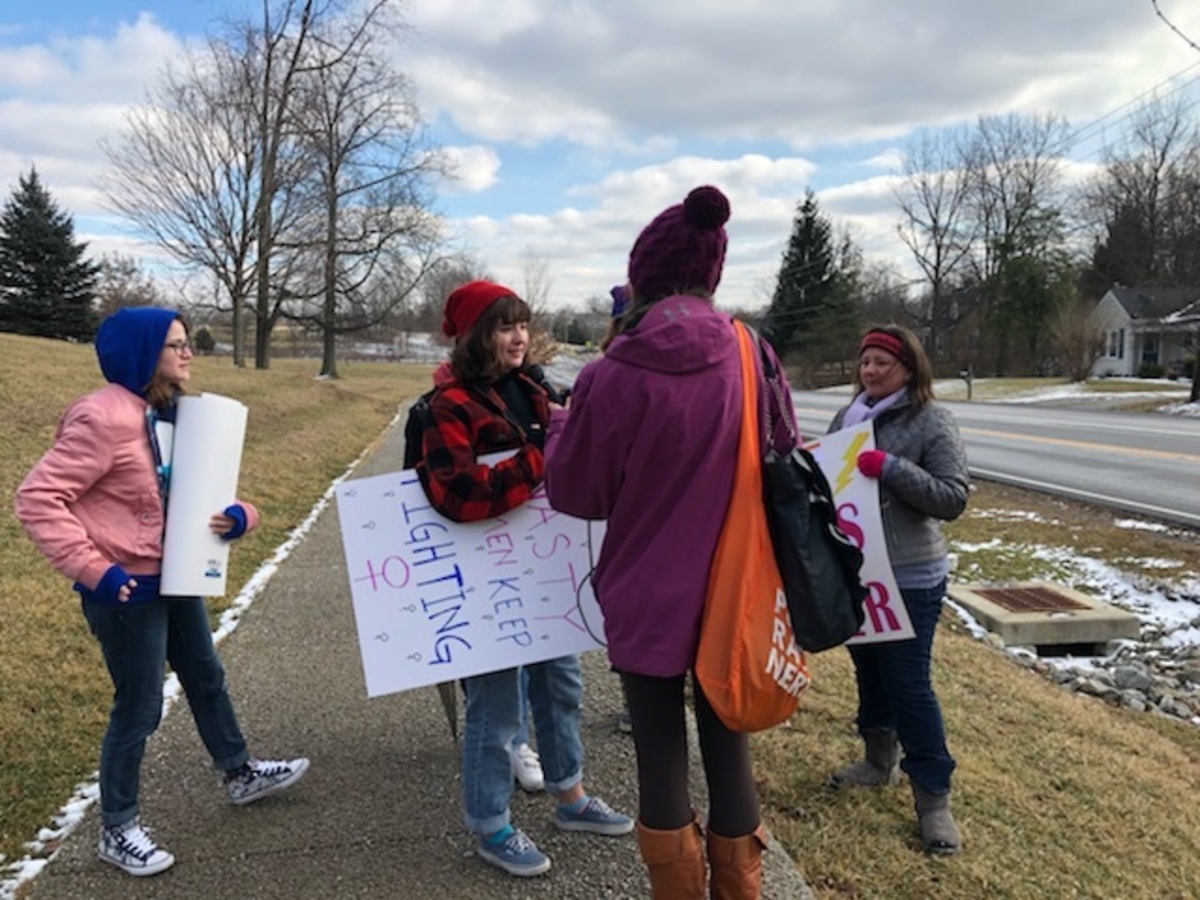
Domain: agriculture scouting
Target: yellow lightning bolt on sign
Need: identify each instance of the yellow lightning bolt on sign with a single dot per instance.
(850, 460)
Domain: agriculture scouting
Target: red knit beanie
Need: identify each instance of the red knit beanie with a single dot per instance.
(467, 304)
(889, 343)
(682, 248)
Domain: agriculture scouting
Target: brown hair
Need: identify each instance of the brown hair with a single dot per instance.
(474, 356)
(913, 357)
(161, 393)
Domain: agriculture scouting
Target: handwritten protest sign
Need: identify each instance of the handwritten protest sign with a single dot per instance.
(857, 500)
(436, 600)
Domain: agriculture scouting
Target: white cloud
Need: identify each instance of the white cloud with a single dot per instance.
(59, 99)
(574, 123)
(474, 168)
(587, 247)
(800, 73)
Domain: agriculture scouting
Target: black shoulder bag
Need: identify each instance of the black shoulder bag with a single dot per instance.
(819, 564)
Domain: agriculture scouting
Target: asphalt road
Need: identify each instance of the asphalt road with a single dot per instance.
(1137, 462)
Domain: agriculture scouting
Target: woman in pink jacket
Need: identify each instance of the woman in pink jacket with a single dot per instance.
(95, 506)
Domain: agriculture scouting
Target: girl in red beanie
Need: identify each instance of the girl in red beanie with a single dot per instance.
(485, 402)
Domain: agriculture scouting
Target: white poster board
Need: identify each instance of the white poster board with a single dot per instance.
(207, 457)
(857, 498)
(436, 600)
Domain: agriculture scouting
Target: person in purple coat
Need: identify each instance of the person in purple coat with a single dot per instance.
(649, 444)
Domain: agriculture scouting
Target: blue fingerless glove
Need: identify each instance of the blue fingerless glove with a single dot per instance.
(235, 512)
(112, 582)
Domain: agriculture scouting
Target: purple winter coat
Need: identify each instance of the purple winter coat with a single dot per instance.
(649, 445)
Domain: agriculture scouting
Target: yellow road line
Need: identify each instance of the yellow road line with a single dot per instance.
(1085, 445)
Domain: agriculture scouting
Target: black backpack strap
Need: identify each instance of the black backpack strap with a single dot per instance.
(419, 418)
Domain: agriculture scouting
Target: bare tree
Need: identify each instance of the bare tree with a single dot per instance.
(536, 280)
(1078, 344)
(120, 281)
(275, 52)
(216, 168)
(1140, 206)
(1145, 206)
(184, 171)
(1015, 164)
(447, 276)
(536, 285)
(372, 237)
(936, 224)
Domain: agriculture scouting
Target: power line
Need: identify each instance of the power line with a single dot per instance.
(1158, 12)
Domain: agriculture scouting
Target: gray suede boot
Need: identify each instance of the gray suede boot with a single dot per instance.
(881, 765)
(939, 832)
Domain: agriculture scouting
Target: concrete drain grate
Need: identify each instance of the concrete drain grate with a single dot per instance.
(1048, 616)
(1030, 599)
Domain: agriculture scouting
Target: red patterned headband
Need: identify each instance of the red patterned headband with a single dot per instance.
(888, 343)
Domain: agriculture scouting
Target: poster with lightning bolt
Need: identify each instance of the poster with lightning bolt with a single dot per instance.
(857, 498)
(436, 600)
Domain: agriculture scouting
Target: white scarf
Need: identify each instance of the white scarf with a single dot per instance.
(864, 408)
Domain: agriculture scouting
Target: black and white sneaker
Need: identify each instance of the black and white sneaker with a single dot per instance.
(260, 778)
(130, 848)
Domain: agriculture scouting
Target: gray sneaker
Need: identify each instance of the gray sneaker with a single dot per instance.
(260, 778)
(596, 817)
(130, 848)
(516, 854)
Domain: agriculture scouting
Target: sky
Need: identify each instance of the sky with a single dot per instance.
(572, 123)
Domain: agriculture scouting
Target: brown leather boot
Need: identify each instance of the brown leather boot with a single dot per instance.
(675, 860)
(737, 865)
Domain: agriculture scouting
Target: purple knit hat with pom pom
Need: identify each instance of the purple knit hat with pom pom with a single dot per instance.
(683, 248)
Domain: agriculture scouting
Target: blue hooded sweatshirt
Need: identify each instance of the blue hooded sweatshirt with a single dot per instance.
(129, 344)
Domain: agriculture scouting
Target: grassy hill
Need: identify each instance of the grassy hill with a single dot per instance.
(1058, 795)
(302, 433)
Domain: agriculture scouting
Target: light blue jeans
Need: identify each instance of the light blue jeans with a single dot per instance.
(138, 640)
(522, 736)
(492, 720)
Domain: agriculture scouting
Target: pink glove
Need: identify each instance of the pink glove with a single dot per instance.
(870, 462)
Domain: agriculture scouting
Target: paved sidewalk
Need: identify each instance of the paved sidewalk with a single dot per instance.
(377, 815)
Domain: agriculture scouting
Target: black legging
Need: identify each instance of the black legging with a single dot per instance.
(660, 738)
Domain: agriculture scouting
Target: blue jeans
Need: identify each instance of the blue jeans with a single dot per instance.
(492, 719)
(522, 735)
(138, 640)
(895, 692)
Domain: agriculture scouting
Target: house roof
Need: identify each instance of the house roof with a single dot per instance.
(1156, 302)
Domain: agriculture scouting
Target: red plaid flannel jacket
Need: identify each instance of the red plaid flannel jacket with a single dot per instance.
(469, 421)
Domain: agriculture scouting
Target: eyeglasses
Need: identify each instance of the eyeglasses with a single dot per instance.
(180, 347)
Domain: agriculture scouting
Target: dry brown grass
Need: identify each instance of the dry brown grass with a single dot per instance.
(302, 433)
(1058, 794)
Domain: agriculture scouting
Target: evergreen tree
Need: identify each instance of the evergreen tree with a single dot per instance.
(814, 310)
(46, 284)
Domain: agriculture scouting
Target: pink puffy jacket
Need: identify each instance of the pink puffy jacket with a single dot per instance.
(93, 500)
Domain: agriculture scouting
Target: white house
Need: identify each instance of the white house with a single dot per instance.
(1146, 326)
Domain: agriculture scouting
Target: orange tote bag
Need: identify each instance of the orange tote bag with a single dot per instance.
(748, 664)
